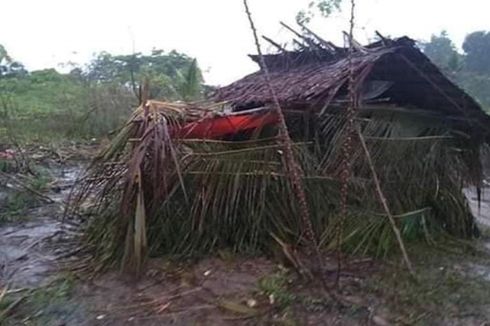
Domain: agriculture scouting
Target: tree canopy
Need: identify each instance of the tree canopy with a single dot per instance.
(470, 68)
(8, 66)
(442, 51)
(165, 72)
(477, 49)
(324, 7)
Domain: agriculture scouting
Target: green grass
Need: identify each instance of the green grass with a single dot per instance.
(451, 287)
(19, 200)
(446, 286)
(46, 305)
(7, 166)
(276, 288)
(47, 106)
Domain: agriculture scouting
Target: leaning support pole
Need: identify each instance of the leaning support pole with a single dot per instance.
(384, 203)
(353, 130)
(292, 167)
(347, 147)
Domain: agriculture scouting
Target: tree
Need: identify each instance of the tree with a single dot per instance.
(324, 7)
(475, 74)
(166, 73)
(442, 51)
(477, 48)
(8, 66)
(190, 86)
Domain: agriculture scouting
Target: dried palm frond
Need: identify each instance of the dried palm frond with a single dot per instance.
(134, 174)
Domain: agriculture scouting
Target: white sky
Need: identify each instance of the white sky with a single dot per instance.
(43, 33)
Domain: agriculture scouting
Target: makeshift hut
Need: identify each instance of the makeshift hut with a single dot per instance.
(188, 179)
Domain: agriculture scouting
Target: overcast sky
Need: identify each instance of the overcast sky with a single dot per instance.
(43, 33)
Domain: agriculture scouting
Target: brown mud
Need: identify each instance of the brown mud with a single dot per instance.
(221, 290)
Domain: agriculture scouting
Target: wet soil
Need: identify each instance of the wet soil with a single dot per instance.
(28, 250)
(221, 290)
(177, 295)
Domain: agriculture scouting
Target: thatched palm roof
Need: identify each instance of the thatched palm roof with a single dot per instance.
(317, 75)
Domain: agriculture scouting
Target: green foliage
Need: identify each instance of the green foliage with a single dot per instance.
(275, 287)
(477, 47)
(324, 7)
(9, 67)
(7, 166)
(164, 72)
(18, 200)
(47, 305)
(448, 288)
(471, 69)
(190, 84)
(15, 206)
(90, 101)
(441, 50)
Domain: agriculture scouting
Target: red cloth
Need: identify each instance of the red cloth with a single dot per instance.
(218, 127)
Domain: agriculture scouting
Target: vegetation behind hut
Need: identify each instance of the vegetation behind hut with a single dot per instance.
(90, 101)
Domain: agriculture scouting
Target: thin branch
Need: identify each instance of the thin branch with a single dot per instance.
(276, 45)
(383, 39)
(353, 43)
(306, 39)
(328, 45)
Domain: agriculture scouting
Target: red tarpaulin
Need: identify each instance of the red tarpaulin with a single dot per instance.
(218, 127)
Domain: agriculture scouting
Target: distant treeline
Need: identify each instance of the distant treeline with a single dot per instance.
(94, 99)
(470, 68)
(90, 100)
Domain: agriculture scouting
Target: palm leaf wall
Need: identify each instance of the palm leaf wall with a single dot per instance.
(153, 193)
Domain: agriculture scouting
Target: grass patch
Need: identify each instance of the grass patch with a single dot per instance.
(47, 305)
(15, 205)
(7, 166)
(276, 288)
(447, 287)
(18, 200)
(451, 287)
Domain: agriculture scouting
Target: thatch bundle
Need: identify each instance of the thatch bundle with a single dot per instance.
(154, 191)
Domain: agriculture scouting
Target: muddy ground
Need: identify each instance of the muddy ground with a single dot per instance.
(452, 285)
